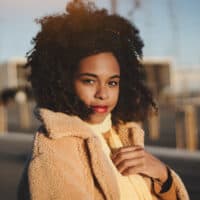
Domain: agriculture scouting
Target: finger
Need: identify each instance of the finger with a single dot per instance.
(139, 153)
(132, 170)
(125, 149)
(125, 164)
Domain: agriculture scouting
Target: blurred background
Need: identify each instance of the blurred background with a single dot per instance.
(170, 30)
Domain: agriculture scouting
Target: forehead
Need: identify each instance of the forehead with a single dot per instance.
(100, 64)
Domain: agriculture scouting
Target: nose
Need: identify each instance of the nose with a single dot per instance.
(101, 93)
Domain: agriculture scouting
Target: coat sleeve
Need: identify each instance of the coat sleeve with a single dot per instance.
(181, 191)
(177, 190)
(57, 173)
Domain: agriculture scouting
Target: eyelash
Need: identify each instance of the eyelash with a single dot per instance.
(88, 81)
(91, 82)
(113, 83)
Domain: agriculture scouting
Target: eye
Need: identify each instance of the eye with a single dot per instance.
(88, 81)
(113, 83)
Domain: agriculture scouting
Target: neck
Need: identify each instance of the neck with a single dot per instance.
(103, 126)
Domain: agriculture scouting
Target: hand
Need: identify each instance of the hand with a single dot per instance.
(135, 160)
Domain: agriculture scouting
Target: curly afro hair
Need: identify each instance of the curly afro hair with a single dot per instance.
(82, 31)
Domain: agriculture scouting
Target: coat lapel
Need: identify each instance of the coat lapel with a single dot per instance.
(102, 169)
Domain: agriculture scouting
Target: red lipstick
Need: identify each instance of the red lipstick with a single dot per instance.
(100, 109)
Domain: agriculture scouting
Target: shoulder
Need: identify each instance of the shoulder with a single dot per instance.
(130, 126)
(44, 145)
(56, 155)
(55, 164)
(130, 133)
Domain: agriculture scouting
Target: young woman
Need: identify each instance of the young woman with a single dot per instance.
(87, 78)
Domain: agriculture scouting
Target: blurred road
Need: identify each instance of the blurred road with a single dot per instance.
(14, 148)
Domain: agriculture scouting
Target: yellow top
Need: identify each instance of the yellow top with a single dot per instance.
(132, 187)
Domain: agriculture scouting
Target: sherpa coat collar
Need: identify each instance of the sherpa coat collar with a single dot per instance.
(59, 125)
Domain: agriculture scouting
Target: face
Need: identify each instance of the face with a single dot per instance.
(97, 84)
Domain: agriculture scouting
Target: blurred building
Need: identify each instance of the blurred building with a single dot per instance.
(158, 74)
(187, 80)
(178, 96)
(13, 74)
(16, 99)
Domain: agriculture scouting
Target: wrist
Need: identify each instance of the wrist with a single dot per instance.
(162, 187)
(167, 184)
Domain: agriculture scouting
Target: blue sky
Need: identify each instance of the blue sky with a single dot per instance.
(170, 28)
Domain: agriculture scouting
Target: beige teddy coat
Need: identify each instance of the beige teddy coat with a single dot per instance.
(67, 162)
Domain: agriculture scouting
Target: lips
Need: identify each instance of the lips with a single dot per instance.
(100, 109)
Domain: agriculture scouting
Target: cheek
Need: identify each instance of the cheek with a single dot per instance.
(83, 93)
(115, 96)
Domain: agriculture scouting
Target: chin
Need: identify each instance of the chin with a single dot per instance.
(97, 118)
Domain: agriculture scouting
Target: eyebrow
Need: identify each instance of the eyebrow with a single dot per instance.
(95, 76)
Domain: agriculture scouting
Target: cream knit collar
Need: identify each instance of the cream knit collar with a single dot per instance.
(102, 127)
